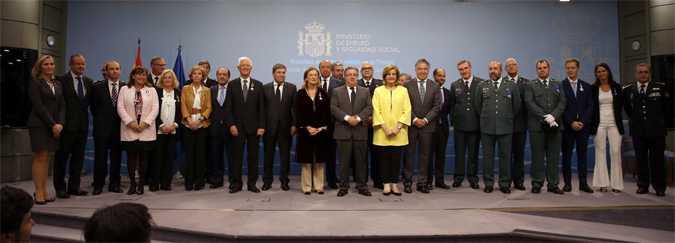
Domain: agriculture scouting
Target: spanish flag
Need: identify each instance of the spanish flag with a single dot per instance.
(138, 55)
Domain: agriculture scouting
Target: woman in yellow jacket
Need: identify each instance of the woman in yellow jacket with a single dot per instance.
(391, 118)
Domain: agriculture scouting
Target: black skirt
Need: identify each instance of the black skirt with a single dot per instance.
(42, 138)
(138, 146)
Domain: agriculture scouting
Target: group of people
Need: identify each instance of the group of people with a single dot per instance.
(337, 115)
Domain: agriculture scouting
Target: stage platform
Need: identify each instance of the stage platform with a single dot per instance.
(458, 214)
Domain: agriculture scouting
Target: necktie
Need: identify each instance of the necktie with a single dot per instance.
(80, 89)
(353, 98)
(495, 84)
(642, 89)
(368, 85)
(221, 96)
(422, 90)
(278, 93)
(156, 78)
(245, 89)
(114, 94)
(545, 83)
(467, 84)
(574, 87)
(325, 84)
(513, 80)
(440, 121)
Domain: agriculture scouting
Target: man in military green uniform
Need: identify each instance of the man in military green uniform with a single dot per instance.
(648, 104)
(464, 123)
(497, 102)
(519, 127)
(545, 102)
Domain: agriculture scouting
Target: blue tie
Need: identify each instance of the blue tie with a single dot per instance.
(80, 89)
(574, 87)
(221, 96)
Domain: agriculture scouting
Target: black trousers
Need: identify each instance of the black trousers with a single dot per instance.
(464, 140)
(649, 153)
(102, 146)
(570, 137)
(390, 162)
(221, 143)
(250, 141)
(518, 157)
(165, 147)
(374, 162)
(72, 145)
(195, 156)
(439, 144)
(270, 145)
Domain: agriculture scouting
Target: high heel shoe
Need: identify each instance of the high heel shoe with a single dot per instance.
(140, 190)
(398, 194)
(50, 200)
(387, 189)
(132, 189)
(38, 202)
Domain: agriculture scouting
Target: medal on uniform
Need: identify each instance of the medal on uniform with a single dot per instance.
(509, 92)
(631, 96)
(557, 89)
(581, 88)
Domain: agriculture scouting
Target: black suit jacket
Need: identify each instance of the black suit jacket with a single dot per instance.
(106, 119)
(177, 115)
(279, 112)
(217, 112)
(77, 116)
(48, 108)
(208, 83)
(334, 83)
(248, 116)
(617, 93)
(444, 112)
(579, 107)
(150, 80)
(373, 84)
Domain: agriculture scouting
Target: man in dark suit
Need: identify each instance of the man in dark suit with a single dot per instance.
(157, 66)
(439, 139)
(351, 106)
(426, 102)
(329, 83)
(107, 129)
(208, 82)
(280, 126)
(519, 127)
(245, 116)
(77, 94)
(371, 84)
(496, 125)
(220, 138)
(577, 120)
(648, 105)
(338, 71)
(465, 125)
(545, 101)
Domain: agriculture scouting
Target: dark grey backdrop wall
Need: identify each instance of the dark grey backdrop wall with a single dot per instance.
(301, 33)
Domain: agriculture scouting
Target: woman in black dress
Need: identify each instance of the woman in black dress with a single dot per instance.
(167, 121)
(45, 122)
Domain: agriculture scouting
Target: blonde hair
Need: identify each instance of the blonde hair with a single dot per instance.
(36, 72)
(305, 84)
(386, 70)
(198, 68)
(160, 83)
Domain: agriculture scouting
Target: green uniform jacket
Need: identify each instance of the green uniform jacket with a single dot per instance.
(462, 114)
(540, 101)
(497, 107)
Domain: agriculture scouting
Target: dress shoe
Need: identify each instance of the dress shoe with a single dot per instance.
(320, 192)
(407, 189)
(132, 189)
(505, 190)
(230, 186)
(536, 190)
(115, 189)
(555, 190)
(197, 188)
(266, 186)
(442, 185)
(189, 187)
(567, 188)
(386, 193)
(660, 194)
(38, 202)
(235, 190)
(97, 191)
(398, 194)
(307, 193)
(254, 189)
(77, 192)
(378, 185)
(165, 188)
(284, 186)
(62, 194)
(475, 186)
(642, 191)
(520, 187)
(141, 190)
(429, 186)
(342, 193)
(209, 180)
(215, 185)
(488, 189)
(365, 193)
(153, 188)
(423, 188)
(332, 185)
(456, 184)
(585, 188)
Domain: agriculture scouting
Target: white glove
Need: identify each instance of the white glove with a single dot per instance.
(554, 124)
(549, 118)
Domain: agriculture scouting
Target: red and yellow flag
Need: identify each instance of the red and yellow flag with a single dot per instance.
(138, 55)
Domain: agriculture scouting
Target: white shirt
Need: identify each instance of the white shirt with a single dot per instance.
(640, 86)
(469, 80)
(110, 87)
(514, 79)
(349, 94)
(168, 111)
(369, 82)
(248, 82)
(75, 83)
(197, 104)
(548, 81)
(606, 100)
(281, 88)
(327, 80)
(499, 82)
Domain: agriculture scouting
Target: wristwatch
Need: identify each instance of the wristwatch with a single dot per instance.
(399, 127)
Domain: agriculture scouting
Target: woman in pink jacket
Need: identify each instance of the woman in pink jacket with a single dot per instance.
(138, 107)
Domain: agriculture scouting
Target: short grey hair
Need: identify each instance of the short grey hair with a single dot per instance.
(154, 59)
(354, 68)
(336, 64)
(511, 59)
(462, 62)
(241, 59)
(643, 65)
(422, 61)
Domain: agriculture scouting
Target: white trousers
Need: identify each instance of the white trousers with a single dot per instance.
(600, 176)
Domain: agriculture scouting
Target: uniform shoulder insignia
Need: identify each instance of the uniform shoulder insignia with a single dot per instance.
(661, 83)
(628, 86)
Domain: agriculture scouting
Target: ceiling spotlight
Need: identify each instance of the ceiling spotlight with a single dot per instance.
(6, 50)
(10, 63)
(18, 60)
(564, 0)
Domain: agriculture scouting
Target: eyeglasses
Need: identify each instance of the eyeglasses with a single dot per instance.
(367, 68)
(511, 65)
(352, 74)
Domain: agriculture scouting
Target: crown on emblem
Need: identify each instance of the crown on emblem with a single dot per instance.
(314, 27)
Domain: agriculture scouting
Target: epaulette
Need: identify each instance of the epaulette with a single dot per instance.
(661, 83)
(628, 86)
